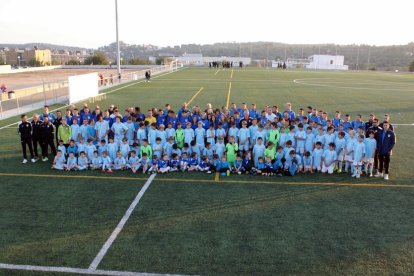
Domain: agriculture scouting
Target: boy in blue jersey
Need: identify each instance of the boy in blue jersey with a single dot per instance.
(359, 154)
(237, 167)
(268, 167)
(193, 162)
(370, 147)
(163, 165)
(175, 163)
(258, 170)
(204, 165)
(224, 166)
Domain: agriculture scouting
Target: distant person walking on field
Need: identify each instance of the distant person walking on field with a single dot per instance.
(148, 76)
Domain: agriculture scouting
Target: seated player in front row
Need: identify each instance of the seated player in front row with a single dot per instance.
(59, 161)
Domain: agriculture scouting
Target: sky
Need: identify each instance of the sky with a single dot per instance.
(91, 23)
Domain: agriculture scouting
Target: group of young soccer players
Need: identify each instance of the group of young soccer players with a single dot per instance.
(238, 140)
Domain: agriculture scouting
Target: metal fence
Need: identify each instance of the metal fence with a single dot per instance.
(49, 93)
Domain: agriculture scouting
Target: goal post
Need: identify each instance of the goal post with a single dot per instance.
(82, 87)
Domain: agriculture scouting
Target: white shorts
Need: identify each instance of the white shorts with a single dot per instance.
(164, 170)
(328, 169)
(356, 163)
(369, 160)
(349, 158)
(308, 167)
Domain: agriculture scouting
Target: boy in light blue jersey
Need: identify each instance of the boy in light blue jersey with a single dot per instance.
(359, 154)
(260, 133)
(188, 134)
(211, 135)
(168, 147)
(328, 159)
(73, 148)
(124, 148)
(96, 161)
(112, 148)
(106, 162)
(83, 130)
(101, 128)
(320, 136)
(119, 162)
(258, 170)
(71, 163)
(90, 149)
(200, 135)
(220, 131)
(224, 167)
(370, 147)
(119, 130)
(300, 137)
(130, 131)
(175, 150)
(157, 147)
(145, 162)
(81, 146)
(75, 130)
(329, 137)
(170, 131)
(307, 162)
(317, 157)
(282, 137)
(290, 136)
(83, 162)
(141, 133)
(161, 133)
(310, 140)
(258, 151)
(220, 147)
(208, 151)
(59, 162)
(244, 138)
(195, 148)
(62, 148)
(233, 131)
(152, 134)
(349, 151)
(133, 162)
(253, 129)
(340, 144)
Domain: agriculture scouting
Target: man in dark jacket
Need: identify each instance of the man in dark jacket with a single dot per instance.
(47, 136)
(25, 131)
(385, 143)
(36, 139)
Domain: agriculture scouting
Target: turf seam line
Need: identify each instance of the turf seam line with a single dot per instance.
(120, 225)
(217, 177)
(253, 181)
(77, 270)
(217, 72)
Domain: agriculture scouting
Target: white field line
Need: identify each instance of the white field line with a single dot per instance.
(120, 225)
(77, 270)
(403, 124)
(300, 81)
(119, 88)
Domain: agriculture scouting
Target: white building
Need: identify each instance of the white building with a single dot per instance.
(326, 62)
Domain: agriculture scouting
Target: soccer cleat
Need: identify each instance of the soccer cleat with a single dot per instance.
(386, 176)
(358, 176)
(371, 175)
(24, 161)
(208, 171)
(109, 171)
(378, 174)
(34, 160)
(228, 173)
(44, 159)
(339, 171)
(354, 175)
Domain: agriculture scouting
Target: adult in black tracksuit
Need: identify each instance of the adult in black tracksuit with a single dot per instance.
(36, 138)
(374, 128)
(385, 143)
(47, 137)
(25, 131)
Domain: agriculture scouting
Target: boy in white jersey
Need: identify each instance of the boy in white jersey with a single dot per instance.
(370, 147)
(328, 159)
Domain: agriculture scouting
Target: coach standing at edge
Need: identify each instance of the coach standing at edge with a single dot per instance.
(25, 131)
(385, 143)
(47, 137)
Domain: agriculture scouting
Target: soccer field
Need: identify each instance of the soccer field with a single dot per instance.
(202, 224)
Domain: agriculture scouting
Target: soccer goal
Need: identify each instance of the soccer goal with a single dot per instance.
(82, 87)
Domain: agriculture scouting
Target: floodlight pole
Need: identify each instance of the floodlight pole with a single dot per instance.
(118, 52)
